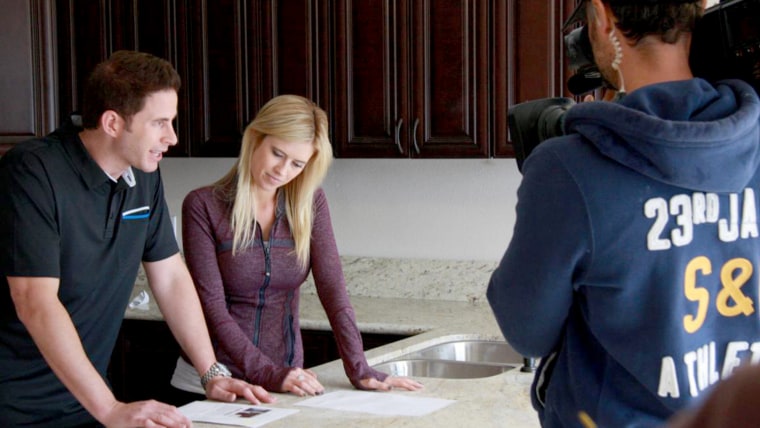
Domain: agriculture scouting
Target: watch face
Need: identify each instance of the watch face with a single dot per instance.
(223, 370)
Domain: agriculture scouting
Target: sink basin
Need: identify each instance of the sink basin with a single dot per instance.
(457, 359)
(474, 351)
(441, 369)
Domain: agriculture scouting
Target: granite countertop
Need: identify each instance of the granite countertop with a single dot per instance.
(435, 301)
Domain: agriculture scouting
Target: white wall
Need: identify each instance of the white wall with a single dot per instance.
(461, 209)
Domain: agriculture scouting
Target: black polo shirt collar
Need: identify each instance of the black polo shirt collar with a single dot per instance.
(90, 172)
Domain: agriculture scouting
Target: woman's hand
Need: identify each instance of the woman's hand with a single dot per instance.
(302, 382)
(390, 383)
(228, 389)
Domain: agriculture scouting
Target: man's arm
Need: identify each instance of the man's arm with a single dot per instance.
(172, 287)
(531, 290)
(178, 301)
(39, 309)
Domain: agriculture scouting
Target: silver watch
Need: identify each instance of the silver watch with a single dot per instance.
(216, 369)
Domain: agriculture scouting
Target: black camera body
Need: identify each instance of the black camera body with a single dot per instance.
(725, 44)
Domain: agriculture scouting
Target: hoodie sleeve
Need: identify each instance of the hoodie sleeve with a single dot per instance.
(531, 290)
(331, 288)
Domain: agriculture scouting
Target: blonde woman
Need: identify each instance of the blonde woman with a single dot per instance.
(250, 240)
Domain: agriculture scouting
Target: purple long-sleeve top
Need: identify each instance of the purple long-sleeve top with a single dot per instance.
(251, 300)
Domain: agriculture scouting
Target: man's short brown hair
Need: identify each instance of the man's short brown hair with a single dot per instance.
(666, 19)
(122, 82)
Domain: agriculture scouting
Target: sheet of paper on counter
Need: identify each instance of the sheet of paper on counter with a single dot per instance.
(378, 403)
(234, 414)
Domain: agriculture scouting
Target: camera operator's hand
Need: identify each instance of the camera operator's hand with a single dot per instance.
(607, 95)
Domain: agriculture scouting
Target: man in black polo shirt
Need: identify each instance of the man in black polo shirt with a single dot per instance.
(79, 210)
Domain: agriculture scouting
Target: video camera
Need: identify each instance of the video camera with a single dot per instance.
(725, 44)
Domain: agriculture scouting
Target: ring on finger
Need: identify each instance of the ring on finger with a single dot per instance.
(300, 377)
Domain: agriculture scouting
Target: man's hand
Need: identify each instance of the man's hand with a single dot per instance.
(607, 95)
(149, 413)
(228, 389)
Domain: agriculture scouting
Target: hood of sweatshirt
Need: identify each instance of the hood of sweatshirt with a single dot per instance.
(688, 133)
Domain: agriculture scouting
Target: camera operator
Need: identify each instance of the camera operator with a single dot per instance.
(633, 267)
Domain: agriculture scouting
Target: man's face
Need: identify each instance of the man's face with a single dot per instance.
(150, 133)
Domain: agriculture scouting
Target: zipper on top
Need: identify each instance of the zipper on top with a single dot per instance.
(266, 247)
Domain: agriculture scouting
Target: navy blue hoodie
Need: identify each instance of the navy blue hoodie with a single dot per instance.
(632, 266)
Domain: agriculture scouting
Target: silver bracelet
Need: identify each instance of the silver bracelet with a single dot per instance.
(216, 369)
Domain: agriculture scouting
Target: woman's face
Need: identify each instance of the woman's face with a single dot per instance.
(276, 162)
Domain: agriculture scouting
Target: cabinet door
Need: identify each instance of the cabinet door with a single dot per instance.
(319, 346)
(143, 361)
(242, 53)
(218, 80)
(27, 83)
(371, 84)
(529, 59)
(412, 78)
(450, 78)
(298, 31)
(89, 31)
(232, 56)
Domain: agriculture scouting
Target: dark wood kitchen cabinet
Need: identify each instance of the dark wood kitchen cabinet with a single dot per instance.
(528, 61)
(143, 361)
(232, 56)
(241, 54)
(435, 78)
(88, 31)
(412, 78)
(27, 71)
(319, 346)
(399, 78)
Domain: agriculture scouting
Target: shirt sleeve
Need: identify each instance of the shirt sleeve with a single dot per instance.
(531, 290)
(161, 242)
(29, 237)
(231, 343)
(331, 288)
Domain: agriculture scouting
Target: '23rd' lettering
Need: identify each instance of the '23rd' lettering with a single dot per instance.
(699, 208)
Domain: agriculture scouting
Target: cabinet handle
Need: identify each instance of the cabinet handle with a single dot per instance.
(398, 135)
(414, 135)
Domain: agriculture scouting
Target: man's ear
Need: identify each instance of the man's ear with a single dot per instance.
(602, 15)
(112, 123)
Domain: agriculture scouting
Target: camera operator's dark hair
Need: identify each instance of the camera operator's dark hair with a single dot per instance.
(121, 84)
(668, 20)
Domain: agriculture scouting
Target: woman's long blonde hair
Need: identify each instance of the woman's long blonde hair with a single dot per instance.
(290, 118)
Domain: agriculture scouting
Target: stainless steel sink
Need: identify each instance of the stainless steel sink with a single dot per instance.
(458, 359)
(441, 369)
(474, 351)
